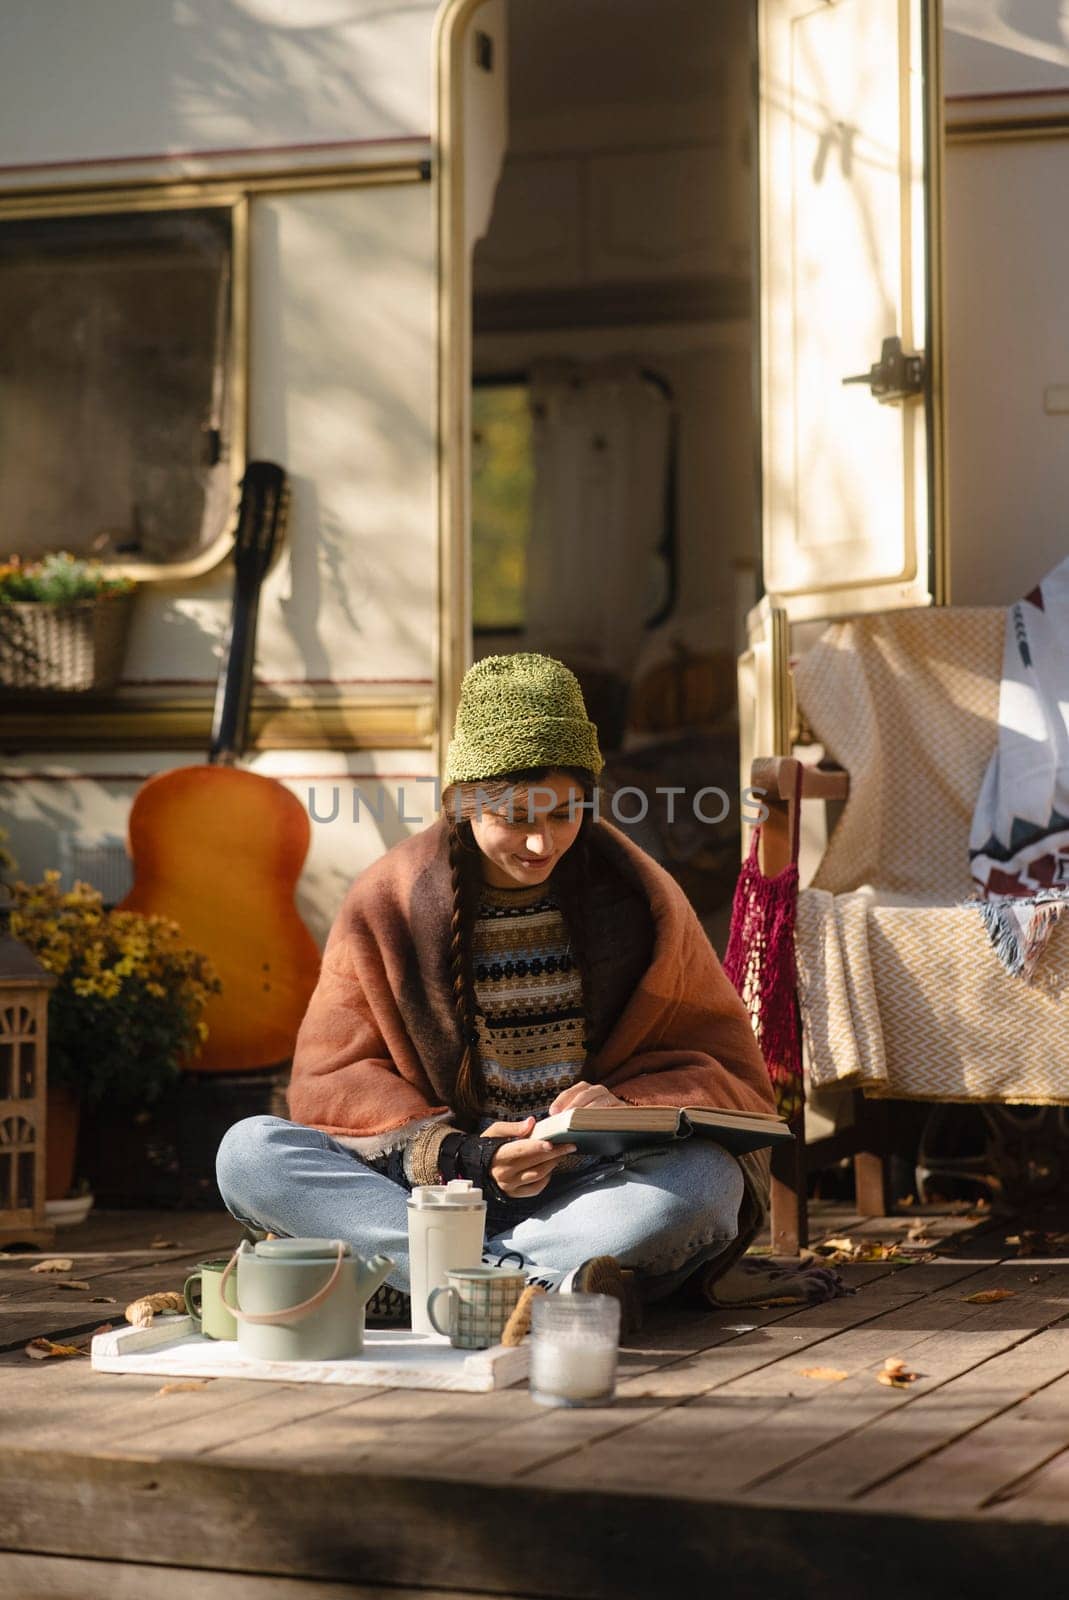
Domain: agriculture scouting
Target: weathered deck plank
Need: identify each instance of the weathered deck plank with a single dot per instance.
(104, 1253)
(435, 1432)
(934, 1442)
(426, 1534)
(1044, 1492)
(716, 1453)
(734, 1436)
(67, 1578)
(1002, 1461)
(468, 1446)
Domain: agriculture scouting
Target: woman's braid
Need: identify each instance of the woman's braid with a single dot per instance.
(469, 1092)
(575, 898)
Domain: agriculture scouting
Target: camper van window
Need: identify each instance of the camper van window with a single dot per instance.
(115, 335)
(506, 459)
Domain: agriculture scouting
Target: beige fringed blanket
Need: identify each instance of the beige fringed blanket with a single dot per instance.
(912, 1002)
(901, 991)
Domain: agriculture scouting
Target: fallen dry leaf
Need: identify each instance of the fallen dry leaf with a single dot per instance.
(70, 1283)
(878, 1251)
(53, 1264)
(165, 1244)
(44, 1349)
(842, 1252)
(103, 1300)
(895, 1374)
(185, 1387)
(989, 1297)
(825, 1374)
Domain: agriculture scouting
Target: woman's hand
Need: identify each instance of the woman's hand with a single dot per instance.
(524, 1166)
(584, 1094)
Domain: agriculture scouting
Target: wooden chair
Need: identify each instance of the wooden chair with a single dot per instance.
(787, 783)
(905, 999)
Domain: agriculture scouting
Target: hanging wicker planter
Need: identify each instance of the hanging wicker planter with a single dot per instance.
(74, 647)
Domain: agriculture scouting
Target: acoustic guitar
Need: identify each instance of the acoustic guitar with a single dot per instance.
(220, 850)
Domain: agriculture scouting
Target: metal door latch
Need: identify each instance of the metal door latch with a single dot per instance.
(896, 376)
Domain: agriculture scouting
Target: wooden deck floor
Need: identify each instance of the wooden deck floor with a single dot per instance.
(721, 1461)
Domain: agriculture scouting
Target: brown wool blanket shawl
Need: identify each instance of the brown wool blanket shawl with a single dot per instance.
(379, 1046)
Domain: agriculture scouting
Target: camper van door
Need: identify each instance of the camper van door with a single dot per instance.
(850, 135)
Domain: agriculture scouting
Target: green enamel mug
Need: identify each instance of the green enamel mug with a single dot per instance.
(204, 1300)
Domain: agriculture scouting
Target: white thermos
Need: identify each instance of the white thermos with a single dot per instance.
(446, 1223)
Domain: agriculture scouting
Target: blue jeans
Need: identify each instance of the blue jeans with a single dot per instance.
(662, 1211)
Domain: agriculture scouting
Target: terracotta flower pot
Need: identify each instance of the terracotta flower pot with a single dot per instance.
(61, 1140)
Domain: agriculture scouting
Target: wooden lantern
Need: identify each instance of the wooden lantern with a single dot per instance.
(24, 986)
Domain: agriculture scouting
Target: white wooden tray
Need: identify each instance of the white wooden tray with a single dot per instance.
(171, 1348)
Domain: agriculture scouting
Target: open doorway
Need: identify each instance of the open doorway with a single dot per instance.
(613, 502)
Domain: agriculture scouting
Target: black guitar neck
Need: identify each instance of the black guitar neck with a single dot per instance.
(261, 516)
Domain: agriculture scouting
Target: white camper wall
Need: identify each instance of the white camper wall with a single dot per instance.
(996, 47)
(342, 391)
(131, 79)
(1007, 367)
(1006, 303)
(342, 383)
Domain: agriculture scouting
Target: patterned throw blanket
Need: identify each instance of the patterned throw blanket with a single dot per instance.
(1019, 843)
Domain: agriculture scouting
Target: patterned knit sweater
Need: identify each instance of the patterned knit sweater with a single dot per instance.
(530, 1002)
(529, 1005)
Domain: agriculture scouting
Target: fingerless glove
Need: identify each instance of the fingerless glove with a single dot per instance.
(466, 1155)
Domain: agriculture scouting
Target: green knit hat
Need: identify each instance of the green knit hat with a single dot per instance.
(519, 711)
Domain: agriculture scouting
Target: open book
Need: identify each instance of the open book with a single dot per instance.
(606, 1130)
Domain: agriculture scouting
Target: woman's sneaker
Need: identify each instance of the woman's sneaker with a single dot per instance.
(598, 1275)
(605, 1275)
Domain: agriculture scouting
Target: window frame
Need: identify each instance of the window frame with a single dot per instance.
(170, 717)
(132, 200)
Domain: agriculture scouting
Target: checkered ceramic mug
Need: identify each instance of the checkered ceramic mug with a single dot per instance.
(480, 1301)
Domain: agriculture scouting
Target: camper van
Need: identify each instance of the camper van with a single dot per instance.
(646, 333)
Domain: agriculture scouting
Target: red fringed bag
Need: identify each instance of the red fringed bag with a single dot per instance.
(760, 963)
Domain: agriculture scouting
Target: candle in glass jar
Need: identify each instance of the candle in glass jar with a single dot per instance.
(573, 1371)
(574, 1340)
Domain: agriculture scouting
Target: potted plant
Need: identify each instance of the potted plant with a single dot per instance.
(63, 624)
(126, 1014)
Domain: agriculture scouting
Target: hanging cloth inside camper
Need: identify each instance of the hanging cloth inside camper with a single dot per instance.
(1019, 844)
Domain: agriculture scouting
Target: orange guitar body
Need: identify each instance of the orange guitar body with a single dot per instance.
(219, 851)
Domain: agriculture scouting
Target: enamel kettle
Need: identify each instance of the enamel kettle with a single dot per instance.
(303, 1299)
